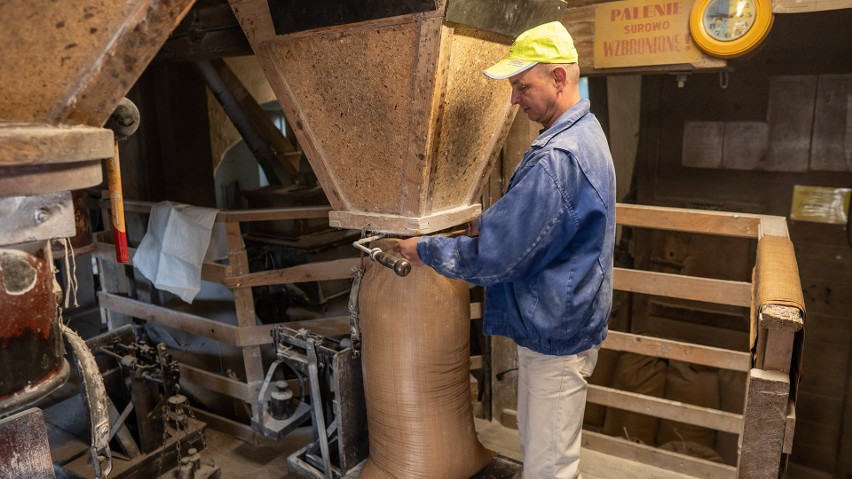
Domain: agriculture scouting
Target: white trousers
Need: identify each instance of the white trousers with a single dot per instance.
(551, 402)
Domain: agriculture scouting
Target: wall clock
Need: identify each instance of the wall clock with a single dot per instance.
(730, 28)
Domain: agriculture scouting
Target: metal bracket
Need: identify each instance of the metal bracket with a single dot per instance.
(355, 313)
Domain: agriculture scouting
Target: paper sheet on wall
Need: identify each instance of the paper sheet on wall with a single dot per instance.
(173, 249)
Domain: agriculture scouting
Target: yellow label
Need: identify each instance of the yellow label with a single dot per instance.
(643, 32)
(820, 204)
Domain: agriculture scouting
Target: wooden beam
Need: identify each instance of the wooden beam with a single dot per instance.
(319, 271)
(243, 216)
(261, 334)
(286, 170)
(778, 353)
(619, 447)
(764, 423)
(273, 214)
(739, 225)
(190, 323)
(734, 293)
(220, 384)
(404, 225)
(691, 353)
(665, 409)
(214, 272)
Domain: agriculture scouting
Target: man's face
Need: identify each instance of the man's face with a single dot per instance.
(535, 91)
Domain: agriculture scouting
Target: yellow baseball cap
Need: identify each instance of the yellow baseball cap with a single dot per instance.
(548, 43)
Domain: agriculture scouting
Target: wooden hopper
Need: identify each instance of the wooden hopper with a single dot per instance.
(65, 65)
(394, 113)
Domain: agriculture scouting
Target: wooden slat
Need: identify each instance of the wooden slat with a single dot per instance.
(259, 335)
(274, 214)
(220, 384)
(606, 457)
(691, 353)
(190, 323)
(739, 225)
(642, 454)
(666, 409)
(242, 336)
(319, 271)
(214, 272)
(718, 291)
(257, 214)
(405, 225)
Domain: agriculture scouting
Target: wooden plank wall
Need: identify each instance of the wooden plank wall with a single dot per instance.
(801, 50)
(168, 158)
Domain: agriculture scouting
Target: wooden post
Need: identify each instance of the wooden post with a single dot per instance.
(244, 303)
(764, 424)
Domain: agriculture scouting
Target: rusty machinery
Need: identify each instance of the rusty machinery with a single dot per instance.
(156, 431)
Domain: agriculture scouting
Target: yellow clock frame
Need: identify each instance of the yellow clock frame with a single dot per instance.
(758, 31)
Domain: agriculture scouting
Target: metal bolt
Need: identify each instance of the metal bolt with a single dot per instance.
(41, 215)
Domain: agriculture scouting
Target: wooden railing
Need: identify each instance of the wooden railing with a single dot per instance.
(767, 423)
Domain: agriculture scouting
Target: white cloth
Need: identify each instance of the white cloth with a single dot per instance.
(551, 402)
(172, 251)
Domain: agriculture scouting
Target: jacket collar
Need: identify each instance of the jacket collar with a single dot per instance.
(565, 120)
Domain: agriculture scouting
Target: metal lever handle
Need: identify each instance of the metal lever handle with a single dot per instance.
(399, 265)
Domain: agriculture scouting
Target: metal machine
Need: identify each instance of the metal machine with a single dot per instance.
(156, 433)
(331, 371)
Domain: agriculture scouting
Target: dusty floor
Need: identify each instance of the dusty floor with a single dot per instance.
(240, 460)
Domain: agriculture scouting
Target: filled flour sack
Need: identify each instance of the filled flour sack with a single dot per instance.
(415, 333)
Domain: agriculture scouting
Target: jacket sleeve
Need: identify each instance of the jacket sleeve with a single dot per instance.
(519, 234)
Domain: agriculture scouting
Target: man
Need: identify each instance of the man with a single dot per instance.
(544, 250)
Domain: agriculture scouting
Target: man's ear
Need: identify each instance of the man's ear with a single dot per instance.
(560, 75)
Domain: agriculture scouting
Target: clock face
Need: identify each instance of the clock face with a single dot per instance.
(727, 20)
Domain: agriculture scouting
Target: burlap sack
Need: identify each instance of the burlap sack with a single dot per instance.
(415, 333)
(695, 385)
(639, 374)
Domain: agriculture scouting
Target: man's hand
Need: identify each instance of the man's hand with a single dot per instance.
(408, 249)
(472, 229)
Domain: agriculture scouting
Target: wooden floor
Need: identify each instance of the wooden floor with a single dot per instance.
(618, 462)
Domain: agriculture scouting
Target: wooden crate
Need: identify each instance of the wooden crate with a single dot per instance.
(768, 421)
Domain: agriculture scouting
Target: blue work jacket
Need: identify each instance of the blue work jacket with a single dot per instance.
(544, 250)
